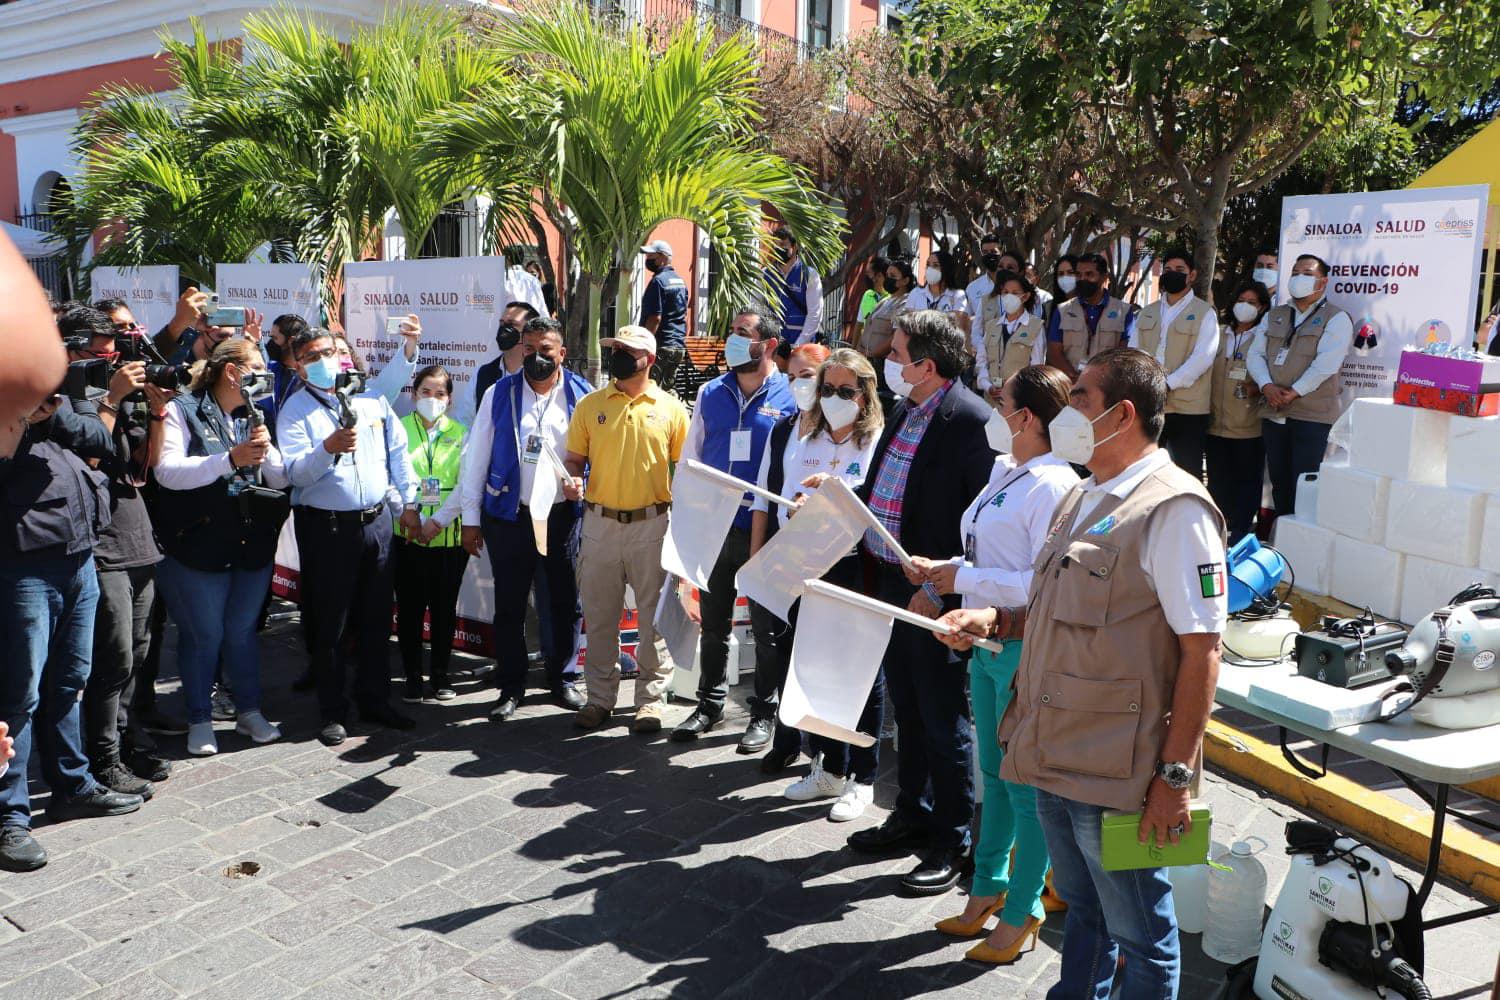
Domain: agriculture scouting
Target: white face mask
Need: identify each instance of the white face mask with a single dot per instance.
(1302, 285)
(1265, 275)
(1011, 303)
(894, 379)
(1246, 312)
(1065, 283)
(431, 408)
(997, 430)
(1072, 435)
(839, 413)
(805, 392)
(934, 275)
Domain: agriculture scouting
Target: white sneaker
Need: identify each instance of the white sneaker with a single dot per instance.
(200, 740)
(818, 784)
(851, 804)
(255, 726)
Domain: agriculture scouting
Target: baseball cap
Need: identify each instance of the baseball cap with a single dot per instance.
(637, 337)
(658, 246)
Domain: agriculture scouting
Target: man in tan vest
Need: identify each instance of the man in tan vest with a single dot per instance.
(1091, 322)
(1118, 670)
(1295, 359)
(1181, 332)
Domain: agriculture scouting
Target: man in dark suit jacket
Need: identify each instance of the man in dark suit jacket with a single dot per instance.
(932, 460)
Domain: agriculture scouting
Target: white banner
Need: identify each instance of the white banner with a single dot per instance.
(836, 653)
(270, 289)
(150, 291)
(458, 300)
(821, 533)
(703, 510)
(1403, 264)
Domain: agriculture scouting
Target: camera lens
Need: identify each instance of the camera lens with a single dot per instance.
(168, 376)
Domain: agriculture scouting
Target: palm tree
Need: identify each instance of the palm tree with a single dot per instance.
(609, 133)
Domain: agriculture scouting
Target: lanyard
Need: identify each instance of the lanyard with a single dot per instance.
(1298, 326)
(429, 446)
(1238, 345)
(974, 521)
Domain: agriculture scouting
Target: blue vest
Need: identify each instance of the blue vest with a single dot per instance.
(502, 487)
(723, 412)
(793, 296)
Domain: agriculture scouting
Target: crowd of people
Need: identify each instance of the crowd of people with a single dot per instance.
(1054, 462)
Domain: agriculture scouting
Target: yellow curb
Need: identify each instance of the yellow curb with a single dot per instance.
(1467, 857)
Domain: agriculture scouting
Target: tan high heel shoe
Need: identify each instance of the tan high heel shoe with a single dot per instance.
(1051, 901)
(982, 952)
(960, 928)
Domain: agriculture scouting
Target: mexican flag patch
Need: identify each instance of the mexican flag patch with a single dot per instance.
(1211, 579)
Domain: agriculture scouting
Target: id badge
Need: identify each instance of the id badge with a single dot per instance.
(739, 446)
(1238, 371)
(533, 449)
(1281, 356)
(431, 493)
(971, 549)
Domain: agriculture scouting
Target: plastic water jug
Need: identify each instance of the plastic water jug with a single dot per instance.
(1236, 900)
(1190, 891)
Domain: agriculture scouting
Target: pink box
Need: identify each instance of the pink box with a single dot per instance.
(1448, 374)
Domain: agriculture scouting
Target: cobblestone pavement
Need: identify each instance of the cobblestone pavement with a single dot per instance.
(468, 859)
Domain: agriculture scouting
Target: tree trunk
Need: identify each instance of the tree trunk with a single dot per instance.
(594, 319)
(1207, 253)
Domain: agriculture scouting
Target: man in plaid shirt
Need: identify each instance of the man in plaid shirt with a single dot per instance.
(931, 462)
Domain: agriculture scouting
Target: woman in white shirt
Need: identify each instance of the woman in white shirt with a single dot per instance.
(1011, 336)
(837, 437)
(939, 294)
(218, 515)
(1004, 529)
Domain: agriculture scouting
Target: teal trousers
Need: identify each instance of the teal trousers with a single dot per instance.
(1008, 816)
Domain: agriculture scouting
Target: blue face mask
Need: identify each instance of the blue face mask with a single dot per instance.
(322, 373)
(737, 350)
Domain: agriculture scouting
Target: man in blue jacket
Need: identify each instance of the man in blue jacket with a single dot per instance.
(731, 423)
(520, 426)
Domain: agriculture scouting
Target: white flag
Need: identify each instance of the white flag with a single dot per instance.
(835, 657)
(676, 629)
(544, 485)
(703, 509)
(821, 533)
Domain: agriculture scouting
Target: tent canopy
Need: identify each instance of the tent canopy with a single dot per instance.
(1475, 162)
(32, 242)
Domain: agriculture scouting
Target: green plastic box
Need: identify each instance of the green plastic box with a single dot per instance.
(1121, 849)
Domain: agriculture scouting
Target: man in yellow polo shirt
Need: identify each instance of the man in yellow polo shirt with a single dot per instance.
(628, 434)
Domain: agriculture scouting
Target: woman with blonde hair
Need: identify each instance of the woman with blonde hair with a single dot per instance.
(219, 512)
(836, 436)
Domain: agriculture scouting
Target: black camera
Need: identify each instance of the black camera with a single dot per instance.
(351, 382)
(87, 380)
(131, 346)
(169, 377)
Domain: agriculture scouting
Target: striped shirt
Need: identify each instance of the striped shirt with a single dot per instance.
(890, 480)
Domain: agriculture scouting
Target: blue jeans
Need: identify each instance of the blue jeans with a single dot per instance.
(1107, 912)
(46, 641)
(216, 615)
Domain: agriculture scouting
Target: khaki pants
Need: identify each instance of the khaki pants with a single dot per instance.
(613, 555)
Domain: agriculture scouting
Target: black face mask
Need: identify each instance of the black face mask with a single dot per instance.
(539, 368)
(507, 337)
(891, 286)
(622, 364)
(1173, 282)
(1086, 289)
(783, 254)
(656, 266)
(991, 261)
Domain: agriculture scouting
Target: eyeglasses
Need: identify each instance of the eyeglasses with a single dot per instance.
(310, 356)
(842, 391)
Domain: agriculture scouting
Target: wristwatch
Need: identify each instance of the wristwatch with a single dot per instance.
(1176, 775)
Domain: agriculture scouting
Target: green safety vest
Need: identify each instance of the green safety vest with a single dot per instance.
(440, 458)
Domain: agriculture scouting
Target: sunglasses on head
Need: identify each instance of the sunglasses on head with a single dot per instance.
(842, 391)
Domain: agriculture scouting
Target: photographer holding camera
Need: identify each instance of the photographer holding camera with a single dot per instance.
(221, 508)
(54, 509)
(126, 554)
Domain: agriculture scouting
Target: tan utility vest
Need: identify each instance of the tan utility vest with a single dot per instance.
(880, 327)
(1073, 323)
(1321, 406)
(1234, 416)
(1006, 358)
(1093, 693)
(1182, 337)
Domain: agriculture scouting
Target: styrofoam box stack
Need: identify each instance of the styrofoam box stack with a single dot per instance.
(1309, 548)
(1442, 523)
(1367, 576)
(1428, 584)
(1474, 453)
(1403, 443)
(1489, 540)
(1352, 502)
